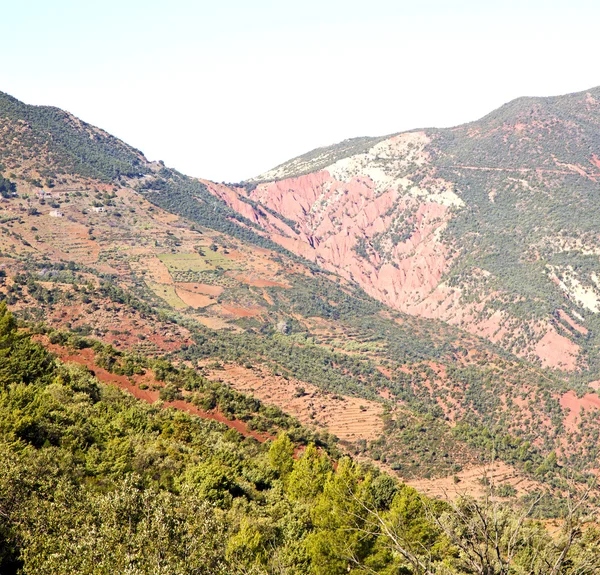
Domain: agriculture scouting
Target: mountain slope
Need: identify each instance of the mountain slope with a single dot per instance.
(158, 264)
(94, 481)
(491, 226)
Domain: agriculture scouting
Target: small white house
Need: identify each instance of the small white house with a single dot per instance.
(56, 214)
(98, 209)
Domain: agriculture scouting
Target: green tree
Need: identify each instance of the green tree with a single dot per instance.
(308, 476)
(281, 454)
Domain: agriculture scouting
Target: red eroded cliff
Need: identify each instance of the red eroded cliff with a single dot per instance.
(382, 231)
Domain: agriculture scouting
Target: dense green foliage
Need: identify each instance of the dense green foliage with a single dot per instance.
(7, 188)
(189, 385)
(92, 481)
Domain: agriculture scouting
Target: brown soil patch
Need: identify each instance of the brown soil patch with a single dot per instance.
(62, 239)
(349, 418)
(555, 350)
(201, 288)
(215, 323)
(120, 326)
(259, 282)
(590, 401)
(267, 297)
(241, 311)
(157, 271)
(470, 482)
(192, 299)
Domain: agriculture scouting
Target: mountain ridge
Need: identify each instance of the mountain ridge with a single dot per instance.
(533, 143)
(351, 145)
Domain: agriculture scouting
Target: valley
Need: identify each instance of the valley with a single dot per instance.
(423, 304)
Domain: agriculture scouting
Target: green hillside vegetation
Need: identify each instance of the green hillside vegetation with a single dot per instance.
(182, 383)
(197, 262)
(69, 145)
(46, 143)
(190, 199)
(407, 349)
(417, 441)
(527, 133)
(316, 329)
(528, 175)
(93, 481)
(534, 215)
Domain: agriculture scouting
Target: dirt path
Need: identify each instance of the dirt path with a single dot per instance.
(131, 384)
(522, 170)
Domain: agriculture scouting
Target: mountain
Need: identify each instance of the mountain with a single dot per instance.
(491, 226)
(94, 481)
(344, 287)
(216, 378)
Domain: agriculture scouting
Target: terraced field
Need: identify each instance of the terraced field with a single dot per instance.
(197, 262)
(168, 293)
(351, 418)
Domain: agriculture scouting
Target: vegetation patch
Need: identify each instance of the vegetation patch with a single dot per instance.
(208, 260)
(167, 293)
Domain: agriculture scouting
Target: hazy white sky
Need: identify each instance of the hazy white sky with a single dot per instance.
(227, 89)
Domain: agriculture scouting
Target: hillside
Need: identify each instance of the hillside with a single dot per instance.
(268, 289)
(491, 226)
(94, 481)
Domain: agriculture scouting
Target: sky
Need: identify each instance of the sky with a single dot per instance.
(228, 89)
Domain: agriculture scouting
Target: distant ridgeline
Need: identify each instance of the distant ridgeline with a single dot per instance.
(54, 142)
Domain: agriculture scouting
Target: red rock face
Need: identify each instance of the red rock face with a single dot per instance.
(339, 220)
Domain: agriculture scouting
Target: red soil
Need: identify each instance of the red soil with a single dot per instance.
(205, 289)
(131, 384)
(241, 311)
(555, 350)
(332, 215)
(259, 282)
(567, 318)
(590, 401)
